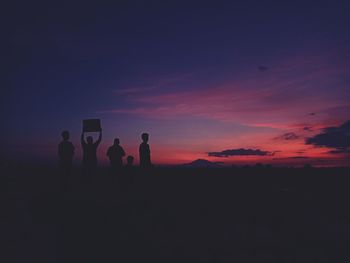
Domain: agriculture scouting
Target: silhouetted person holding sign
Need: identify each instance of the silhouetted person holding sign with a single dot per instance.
(65, 153)
(115, 154)
(144, 151)
(89, 152)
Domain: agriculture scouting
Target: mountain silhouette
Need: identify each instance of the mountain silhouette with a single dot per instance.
(202, 163)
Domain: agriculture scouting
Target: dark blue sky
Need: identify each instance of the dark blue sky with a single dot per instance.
(70, 60)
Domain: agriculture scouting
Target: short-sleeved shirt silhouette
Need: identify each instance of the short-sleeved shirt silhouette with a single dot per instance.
(145, 155)
(66, 152)
(115, 154)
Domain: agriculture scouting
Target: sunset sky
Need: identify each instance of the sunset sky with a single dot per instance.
(232, 82)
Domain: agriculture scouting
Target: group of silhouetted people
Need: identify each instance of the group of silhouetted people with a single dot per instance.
(115, 153)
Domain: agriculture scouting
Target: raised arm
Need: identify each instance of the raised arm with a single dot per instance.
(82, 139)
(123, 152)
(99, 139)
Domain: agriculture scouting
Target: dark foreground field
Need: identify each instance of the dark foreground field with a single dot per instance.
(219, 215)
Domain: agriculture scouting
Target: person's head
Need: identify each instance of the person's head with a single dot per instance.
(144, 137)
(90, 140)
(116, 141)
(65, 135)
(129, 160)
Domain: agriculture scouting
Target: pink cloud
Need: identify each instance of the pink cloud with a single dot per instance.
(282, 97)
(276, 98)
(257, 108)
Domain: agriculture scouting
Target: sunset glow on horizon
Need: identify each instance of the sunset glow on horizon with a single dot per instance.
(231, 83)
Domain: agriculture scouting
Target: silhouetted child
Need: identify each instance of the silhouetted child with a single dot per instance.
(115, 154)
(65, 153)
(129, 161)
(129, 170)
(144, 151)
(89, 153)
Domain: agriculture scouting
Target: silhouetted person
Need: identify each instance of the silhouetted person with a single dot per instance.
(129, 171)
(129, 161)
(144, 151)
(65, 153)
(89, 152)
(115, 154)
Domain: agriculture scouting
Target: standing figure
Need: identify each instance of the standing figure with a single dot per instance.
(115, 154)
(65, 153)
(144, 151)
(89, 153)
(129, 161)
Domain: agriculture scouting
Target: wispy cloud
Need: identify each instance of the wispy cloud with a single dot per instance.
(293, 158)
(240, 152)
(340, 151)
(288, 136)
(276, 99)
(279, 99)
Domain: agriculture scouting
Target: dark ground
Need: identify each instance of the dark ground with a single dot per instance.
(183, 215)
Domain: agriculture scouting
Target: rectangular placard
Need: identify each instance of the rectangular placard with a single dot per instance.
(92, 125)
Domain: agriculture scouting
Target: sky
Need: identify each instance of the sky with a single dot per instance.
(237, 82)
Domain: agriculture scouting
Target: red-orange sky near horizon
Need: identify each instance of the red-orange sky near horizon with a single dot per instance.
(233, 82)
